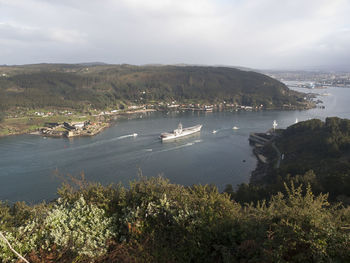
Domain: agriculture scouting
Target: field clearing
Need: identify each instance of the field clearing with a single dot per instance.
(28, 124)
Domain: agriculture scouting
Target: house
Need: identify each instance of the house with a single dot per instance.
(78, 125)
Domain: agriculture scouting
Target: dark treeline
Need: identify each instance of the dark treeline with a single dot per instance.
(315, 153)
(77, 86)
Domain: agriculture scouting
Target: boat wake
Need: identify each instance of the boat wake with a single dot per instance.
(102, 142)
(126, 136)
(181, 146)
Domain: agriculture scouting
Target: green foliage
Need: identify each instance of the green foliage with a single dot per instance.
(78, 227)
(5, 216)
(2, 116)
(156, 221)
(323, 147)
(72, 86)
(299, 228)
(82, 226)
(93, 193)
(315, 153)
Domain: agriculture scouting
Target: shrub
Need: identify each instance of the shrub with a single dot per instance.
(155, 221)
(77, 227)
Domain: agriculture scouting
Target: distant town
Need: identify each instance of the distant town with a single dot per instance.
(310, 79)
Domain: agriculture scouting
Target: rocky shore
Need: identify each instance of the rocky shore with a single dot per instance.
(262, 144)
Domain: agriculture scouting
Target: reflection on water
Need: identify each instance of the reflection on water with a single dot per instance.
(27, 162)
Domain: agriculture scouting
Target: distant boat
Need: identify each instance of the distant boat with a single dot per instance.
(235, 128)
(274, 124)
(180, 132)
(215, 131)
(296, 120)
(134, 134)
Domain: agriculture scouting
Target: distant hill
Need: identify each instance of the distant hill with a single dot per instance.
(102, 85)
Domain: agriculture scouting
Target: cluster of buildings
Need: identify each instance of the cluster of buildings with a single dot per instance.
(44, 114)
(196, 106)
(311, 79)
(72, 129)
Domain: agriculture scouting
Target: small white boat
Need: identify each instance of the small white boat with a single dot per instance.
(235, 128)
(134, 134)
(215, 131)
(274, 124)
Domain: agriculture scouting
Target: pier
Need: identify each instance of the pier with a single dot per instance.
(260, 138)
(259, 141)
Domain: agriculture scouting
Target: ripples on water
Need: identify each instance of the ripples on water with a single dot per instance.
(27, 162)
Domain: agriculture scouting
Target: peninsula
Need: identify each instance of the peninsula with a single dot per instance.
(311, 152)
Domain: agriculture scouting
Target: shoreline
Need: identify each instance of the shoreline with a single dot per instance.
(105, 120)
(265, 160)
(108, 119)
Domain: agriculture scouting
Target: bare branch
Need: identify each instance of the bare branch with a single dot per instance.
(14, 251)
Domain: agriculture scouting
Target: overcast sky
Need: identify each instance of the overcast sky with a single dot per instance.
(295, 34)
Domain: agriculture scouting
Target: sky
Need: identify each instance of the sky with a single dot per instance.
(260, 34)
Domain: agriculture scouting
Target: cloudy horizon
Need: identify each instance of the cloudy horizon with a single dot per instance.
(261, 34)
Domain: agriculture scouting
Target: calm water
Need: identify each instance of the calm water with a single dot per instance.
(27, 163)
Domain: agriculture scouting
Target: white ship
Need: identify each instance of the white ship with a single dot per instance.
(180, 132)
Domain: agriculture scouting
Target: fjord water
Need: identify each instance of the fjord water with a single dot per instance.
(29, 164)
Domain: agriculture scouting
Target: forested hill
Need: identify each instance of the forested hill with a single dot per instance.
(314, 152)
(323, 147)
(101, 86)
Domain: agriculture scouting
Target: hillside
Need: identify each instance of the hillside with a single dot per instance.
(314, 152)
(101, 86)
(323, 147)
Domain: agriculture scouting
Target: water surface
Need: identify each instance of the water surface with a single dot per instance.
(28, 163)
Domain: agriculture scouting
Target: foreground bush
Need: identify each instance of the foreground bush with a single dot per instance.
(155, 221)
(80, 228)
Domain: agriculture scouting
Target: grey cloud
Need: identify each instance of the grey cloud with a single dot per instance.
(264, 33)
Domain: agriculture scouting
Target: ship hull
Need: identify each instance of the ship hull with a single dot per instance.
(185, 132)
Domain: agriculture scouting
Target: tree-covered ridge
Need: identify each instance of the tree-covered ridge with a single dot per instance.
(314, 152)
(323, 147)
(101, 86)
(156, 221)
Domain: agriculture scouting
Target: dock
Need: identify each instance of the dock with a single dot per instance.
(260, 138)
(259, 141)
